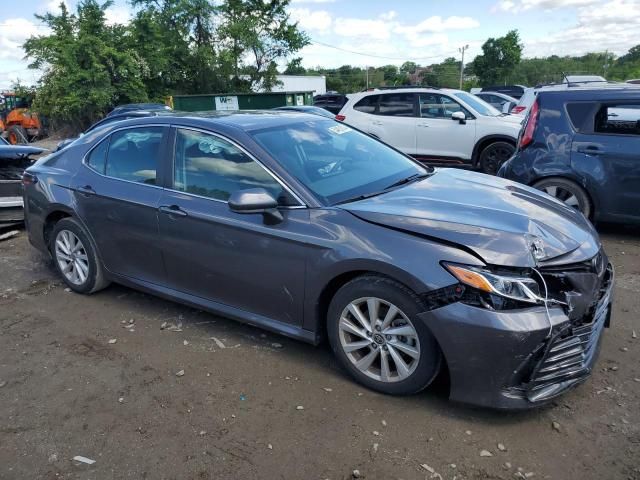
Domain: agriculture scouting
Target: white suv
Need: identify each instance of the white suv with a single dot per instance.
(436, 125)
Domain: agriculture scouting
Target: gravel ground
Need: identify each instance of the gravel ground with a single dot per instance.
(208, 398)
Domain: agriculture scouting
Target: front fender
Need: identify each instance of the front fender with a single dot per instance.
(369, 248)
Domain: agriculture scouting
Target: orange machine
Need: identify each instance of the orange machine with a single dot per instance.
(17, 122)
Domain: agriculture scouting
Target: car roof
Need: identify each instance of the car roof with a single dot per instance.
(246, 120)
(390, 91)
(593, 93)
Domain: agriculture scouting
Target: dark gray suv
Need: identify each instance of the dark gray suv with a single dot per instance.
(307, 227)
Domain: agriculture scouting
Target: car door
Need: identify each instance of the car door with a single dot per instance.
(394, 121)
(232, 259)
(116, 192)
(609, 156)
(438, 135)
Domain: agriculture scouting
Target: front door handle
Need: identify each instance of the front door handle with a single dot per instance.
(86, 190)
(589, 149)
(172, 210)
(424, 125)
(376, 122)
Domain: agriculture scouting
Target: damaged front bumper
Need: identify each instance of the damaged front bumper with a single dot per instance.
(517, 359)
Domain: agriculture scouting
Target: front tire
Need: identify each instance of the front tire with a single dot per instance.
(568, 192)
(75, 258)
(18, 135)
(376, 335)
(494, 155)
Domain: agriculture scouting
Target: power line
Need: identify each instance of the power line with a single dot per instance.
(377, 56)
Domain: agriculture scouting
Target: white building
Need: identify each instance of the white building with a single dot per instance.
(301, 83)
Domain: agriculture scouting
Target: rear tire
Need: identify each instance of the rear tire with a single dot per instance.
(18, 135)
(397, 355)
(494, 155)
(75, 257)
(568, 192)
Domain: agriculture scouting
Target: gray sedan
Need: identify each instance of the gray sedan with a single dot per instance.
(309, 228)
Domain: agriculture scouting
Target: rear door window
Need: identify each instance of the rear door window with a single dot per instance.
(367, 105)
(397, 105)
(618, 118)
(134, 154)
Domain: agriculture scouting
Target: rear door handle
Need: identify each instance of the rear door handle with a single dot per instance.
(172, 210)
(424, 125)
(589, 149)
(86, 190)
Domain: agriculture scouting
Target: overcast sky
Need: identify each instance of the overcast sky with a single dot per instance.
(424, 31)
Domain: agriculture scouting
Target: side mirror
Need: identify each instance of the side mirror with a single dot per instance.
(459, 116)
(256, 200)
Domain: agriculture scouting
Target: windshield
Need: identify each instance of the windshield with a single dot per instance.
(334, 161)
(479, 105)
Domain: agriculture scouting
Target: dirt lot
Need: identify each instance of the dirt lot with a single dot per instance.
(67, 389)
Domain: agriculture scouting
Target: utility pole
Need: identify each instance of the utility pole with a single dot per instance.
(367, 67)
(462, 50)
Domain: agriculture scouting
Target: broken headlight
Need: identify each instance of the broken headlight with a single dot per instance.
(514, 287)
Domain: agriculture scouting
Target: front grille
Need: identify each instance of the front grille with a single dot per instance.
(571, 351)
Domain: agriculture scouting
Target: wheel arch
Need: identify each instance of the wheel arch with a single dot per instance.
(487, 140)
(56, 213)
(330, 286)
(593, 199)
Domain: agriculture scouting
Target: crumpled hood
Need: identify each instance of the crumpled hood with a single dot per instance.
(501, 221)
(13, 152)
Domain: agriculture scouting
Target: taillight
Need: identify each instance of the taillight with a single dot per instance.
(28, 179)
(518, 109)
(530, 127)
(341, 118)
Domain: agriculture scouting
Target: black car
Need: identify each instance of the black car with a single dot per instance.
(132, 107)
(582, 146)
(307, 227)
(330, 101)
(108, 120)
(14, 159)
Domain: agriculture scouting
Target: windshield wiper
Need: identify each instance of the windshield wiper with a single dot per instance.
(409, 179)
(359, 197)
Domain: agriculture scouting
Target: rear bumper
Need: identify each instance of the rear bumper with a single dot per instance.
(508, 360)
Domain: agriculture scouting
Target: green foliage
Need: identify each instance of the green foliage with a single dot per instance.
(445, 74)
(258, 30)
(170, 47)
(498, 59)
(294, 67)
(87, 67)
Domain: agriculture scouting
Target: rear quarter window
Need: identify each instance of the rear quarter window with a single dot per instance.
(581, 115)
(97, 158)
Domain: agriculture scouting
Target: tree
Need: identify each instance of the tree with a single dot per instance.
(259, 30)
(499, 57)
(87, 67)
(445, 74)
(294, 67)
(408, 67)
